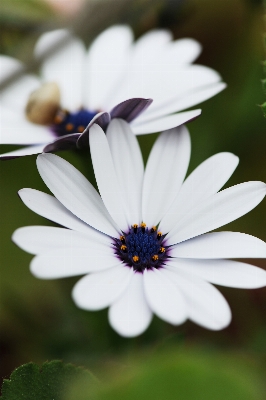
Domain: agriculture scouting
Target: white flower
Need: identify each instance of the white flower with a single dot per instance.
(162, 266)
(114, 70)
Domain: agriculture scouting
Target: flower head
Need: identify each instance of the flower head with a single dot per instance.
(116, 78)
(143, 242)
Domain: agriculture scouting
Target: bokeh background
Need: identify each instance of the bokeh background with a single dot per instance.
(38, 320)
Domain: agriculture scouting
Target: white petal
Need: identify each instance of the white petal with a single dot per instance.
(99, 290)
(41, 239)
(50, 40)
(164, 298)
(221, 245)
(205, 304)
(26, 151)
(65, 66)
(165, 171)
(209, 177)
(146, 48)
(223, 272)
(163, 82)
(61, 263)
(106, 177)
(128, 165)
(16, 94)
(179, 103)
(49, 207)
(143, 56)
(218, 210)
(177, 80)
(167, 122)
(15, 129)
(9, 66)
(75, 192)
(106, 62)
(182, 51)
(130, 315)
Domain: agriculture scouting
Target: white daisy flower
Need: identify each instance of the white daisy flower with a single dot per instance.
(116, 78)
(142, 244)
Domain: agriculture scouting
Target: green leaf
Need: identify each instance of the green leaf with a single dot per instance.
(49, 382)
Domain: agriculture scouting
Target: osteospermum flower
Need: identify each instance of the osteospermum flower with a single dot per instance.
(142, 243)
(115, 78)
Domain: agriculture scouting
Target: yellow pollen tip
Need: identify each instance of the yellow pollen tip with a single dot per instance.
(162, 250)
(81, 128)
(143, 225)
(58, 119)
(122, 238)
(69, 127)
(159, 234)
(135, 226)
(135, 258)
(153, 229)
(123, 247)
(155, 257)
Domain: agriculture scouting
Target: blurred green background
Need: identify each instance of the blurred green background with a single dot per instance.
(38, 319)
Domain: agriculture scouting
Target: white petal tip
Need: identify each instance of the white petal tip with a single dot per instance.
(128, 329)
(36, 272)
(127, 333)
(217, 325)
(221, 326)
(40, 271)
(14, 237)
(22, 193)
(81, 303)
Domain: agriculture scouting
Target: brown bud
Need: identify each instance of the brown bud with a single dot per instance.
(43, 104)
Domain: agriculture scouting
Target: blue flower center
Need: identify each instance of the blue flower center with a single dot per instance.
(66, 122)
(142, 248)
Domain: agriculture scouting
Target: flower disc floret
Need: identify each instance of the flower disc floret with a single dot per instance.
(66, 122)
(142, 248)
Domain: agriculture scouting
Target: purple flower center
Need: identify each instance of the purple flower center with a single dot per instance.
(142, 248)
(66, 122)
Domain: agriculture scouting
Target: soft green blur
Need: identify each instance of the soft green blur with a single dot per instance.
(38, 319)
(176, 373)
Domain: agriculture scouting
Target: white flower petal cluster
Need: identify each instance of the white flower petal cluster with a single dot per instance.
(166, 266)
(114, 70)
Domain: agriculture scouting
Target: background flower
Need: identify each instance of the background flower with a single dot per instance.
(66, 6)
(78, 85)
(136, 268)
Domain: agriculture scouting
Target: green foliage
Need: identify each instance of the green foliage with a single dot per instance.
(21, 22)
(48, 382)
(178, 374)
(18, 11)
(169, 374)
(263, 108)
(264, 85)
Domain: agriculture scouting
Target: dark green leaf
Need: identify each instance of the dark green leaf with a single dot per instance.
(49, 382)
